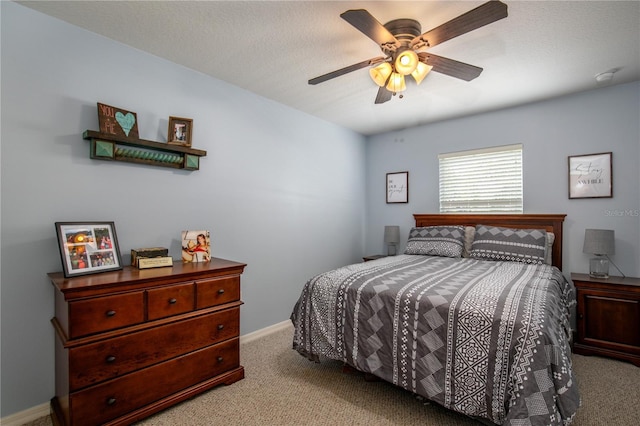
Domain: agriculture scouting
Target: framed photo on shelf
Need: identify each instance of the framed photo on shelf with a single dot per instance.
(590, 176)
(180, 130)
(398, 187)
(88, 247)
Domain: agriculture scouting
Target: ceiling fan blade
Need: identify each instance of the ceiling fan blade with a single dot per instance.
(346, 70)
(370, 26)
(450, 67)
(480, 16)
(383, 95)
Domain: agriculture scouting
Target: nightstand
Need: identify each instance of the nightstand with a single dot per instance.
(608, 317)
(373, 257)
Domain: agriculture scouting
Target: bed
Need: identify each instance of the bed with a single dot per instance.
(474, 315)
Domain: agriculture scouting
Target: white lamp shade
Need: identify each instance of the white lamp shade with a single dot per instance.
(599, 241)
(406, 62)
(381, 73)
(396, 83)
(421, 72)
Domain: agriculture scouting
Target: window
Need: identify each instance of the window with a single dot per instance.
(482, 180)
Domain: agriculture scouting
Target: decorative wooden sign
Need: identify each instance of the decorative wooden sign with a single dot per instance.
(117, 122)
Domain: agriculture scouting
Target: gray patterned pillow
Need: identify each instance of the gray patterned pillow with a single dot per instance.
(445, 241)
(513, 245)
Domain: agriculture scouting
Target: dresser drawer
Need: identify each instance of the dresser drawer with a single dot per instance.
(105, 313)
(173, 300)
(97, 362)
(109, 400)
(217, 291)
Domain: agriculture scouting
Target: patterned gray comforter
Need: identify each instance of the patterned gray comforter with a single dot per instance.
(486, 339)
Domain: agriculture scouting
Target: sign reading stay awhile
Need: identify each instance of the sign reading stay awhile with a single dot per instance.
(117, 122)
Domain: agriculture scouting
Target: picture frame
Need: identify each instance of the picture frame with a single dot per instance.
(196, 246)
(180, 131)
(397, 187)
(590, 176)
(88, 247)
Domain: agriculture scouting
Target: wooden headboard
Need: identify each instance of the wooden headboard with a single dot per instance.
(549, 222)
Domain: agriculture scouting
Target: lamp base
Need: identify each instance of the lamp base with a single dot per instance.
(599, 267)
(391, 250)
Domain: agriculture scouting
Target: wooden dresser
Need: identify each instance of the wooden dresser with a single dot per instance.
(133, 342)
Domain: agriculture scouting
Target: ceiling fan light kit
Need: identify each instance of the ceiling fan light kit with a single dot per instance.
(380, 73)
(406, 61)
(401, 42)
(421, 72)
(396, 83)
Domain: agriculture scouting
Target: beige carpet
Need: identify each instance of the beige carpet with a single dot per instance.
(283, 388)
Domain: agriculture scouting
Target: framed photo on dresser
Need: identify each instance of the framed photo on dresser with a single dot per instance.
(88, 247)
(196, 246)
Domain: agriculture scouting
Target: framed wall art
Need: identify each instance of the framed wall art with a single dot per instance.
(88, 247)
(398, 187)
(590, 176)
(180, 130)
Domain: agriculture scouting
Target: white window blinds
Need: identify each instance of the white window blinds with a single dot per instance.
(482, 180)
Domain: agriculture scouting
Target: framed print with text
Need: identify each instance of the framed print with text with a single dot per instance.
(590, 176)
(88, 247)
(398, 187)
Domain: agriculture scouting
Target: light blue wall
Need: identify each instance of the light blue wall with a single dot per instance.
(274, 179)
(602, 120)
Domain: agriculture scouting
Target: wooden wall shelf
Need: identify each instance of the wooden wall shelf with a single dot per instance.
(109, 147)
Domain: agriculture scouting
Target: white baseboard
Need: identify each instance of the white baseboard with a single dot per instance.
(265, 331)
(26, 416)
(42, 410)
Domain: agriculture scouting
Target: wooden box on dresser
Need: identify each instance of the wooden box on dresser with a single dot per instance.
(608, 314)
(132, 342)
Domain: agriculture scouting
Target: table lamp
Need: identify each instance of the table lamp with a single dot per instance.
(601, 243)
(391, 238)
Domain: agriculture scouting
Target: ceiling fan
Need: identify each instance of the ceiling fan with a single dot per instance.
(401, 42)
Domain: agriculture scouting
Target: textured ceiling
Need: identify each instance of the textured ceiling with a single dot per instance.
(541, 50)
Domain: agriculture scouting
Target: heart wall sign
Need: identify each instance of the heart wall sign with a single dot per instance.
(118, 122)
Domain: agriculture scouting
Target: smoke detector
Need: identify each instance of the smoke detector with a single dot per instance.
(605, 77)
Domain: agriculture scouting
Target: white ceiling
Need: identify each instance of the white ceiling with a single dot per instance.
(541, 50)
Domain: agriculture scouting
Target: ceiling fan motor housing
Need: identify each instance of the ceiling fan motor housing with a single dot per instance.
(404, 30)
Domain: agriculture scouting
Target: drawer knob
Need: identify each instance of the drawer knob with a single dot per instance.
(111, 313)
(221, 291)
(220, 359)
(111, 359)
(220, 326)
(111, 401)
(172, 301)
